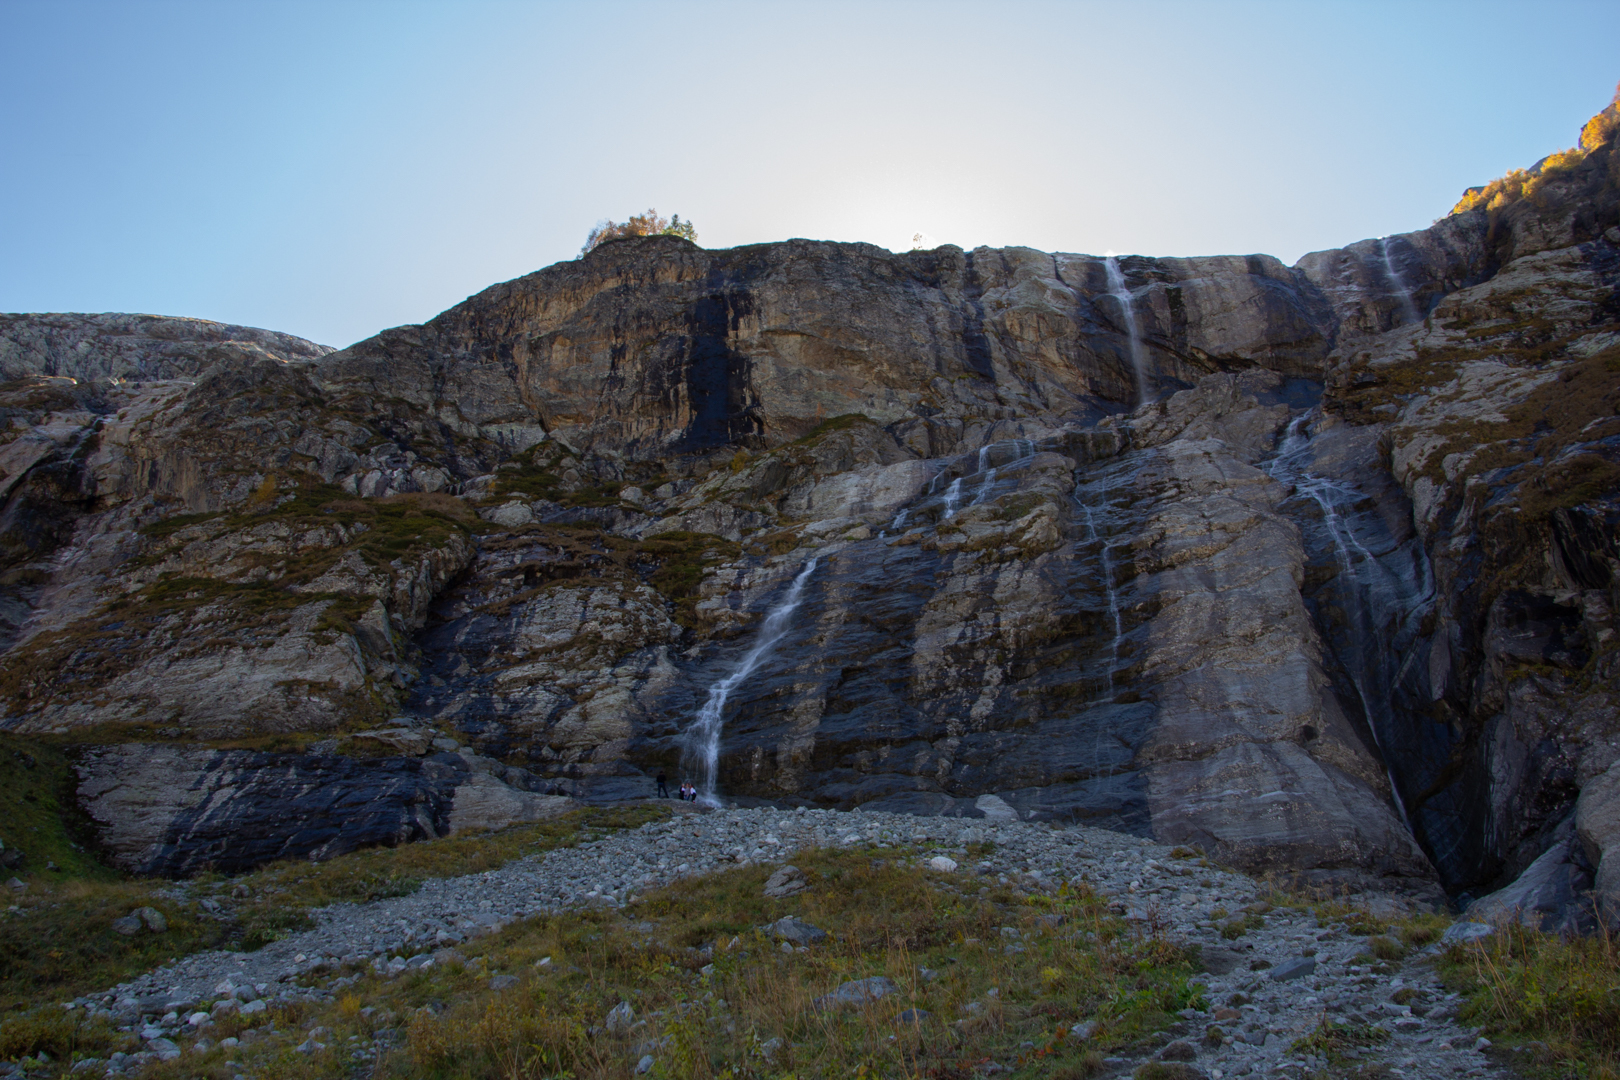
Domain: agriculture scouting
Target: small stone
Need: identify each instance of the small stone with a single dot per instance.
(503, 982)
(943, 863)
(1481, 1043)
(129, 925)
(644, 1065)
(253, 1007)
(153, 918)
(912, 1017)
(165, 1049)
(1297, 968)
(1085, 1029)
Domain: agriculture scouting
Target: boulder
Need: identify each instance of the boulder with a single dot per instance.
(786, 881)
(1597, 825)
(857, 993)
(619, 1018)
(795, 932)
(1297, 968)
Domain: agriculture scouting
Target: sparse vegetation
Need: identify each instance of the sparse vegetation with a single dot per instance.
(1336, 1041)
(1528, 987)
(648, 224)
(244, 601)
(1524, 183)
(841, 422)
(714, 997)
(61, 941)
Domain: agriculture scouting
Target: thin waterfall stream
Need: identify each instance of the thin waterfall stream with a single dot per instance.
(1409, 311)
(1118, 290)
(1372, 597)
(1107, 559)
(703, 737)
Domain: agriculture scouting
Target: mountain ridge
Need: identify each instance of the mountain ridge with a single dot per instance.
(1336, 601)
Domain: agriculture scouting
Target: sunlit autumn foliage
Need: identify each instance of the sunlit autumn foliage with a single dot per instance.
(648, 224)
(1523, 183)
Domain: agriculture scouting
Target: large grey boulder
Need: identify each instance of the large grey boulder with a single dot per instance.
(1597, 826)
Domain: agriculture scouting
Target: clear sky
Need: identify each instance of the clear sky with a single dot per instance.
(334, 168)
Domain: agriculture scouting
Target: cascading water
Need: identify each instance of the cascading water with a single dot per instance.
(986, 486)
(1409, 311)
(1118, 290)
(702, 739)
(1381, 607)
(1021, 450)
(1093, 536)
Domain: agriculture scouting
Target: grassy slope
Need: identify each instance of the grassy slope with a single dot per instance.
(887, 917)
(60, 943)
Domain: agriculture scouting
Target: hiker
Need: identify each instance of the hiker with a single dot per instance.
(663, 785)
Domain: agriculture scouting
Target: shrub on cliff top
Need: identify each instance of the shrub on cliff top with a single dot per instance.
(1522, 183)
(648, 224)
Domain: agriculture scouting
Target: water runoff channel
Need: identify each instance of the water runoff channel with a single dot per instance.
(703, 737)
(701, 751)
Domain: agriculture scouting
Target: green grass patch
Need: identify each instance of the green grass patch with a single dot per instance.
(1006, 979)
(61, 942)
(40, 820)
(1337, 1042)
(682, 557)
(842, 422)
(1524, 986)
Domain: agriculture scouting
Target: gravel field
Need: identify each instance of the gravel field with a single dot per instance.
(1266, 988)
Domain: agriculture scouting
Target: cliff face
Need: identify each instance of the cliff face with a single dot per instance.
(1311, 566)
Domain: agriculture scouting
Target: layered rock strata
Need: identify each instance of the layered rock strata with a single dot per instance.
(1336, 600)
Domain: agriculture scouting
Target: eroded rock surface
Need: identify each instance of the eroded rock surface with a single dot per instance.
(1333, 597)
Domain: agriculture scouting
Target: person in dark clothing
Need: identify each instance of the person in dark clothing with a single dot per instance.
(663, 785)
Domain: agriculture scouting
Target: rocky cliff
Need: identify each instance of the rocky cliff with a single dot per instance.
(1312, 566)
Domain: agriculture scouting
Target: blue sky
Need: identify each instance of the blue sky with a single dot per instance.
(331, 169)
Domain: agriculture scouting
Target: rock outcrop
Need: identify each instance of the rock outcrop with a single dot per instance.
(1333, 597)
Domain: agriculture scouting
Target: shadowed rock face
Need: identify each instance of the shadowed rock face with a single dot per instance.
(1336, 601)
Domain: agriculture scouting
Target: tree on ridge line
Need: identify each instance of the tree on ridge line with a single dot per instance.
(648, 224)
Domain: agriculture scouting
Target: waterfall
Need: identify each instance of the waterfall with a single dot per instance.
(1093, 536)
(1409, 311)
(986, 486)
(953, 496)
(702, 739)
(1380, 607)
(1117, 289)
